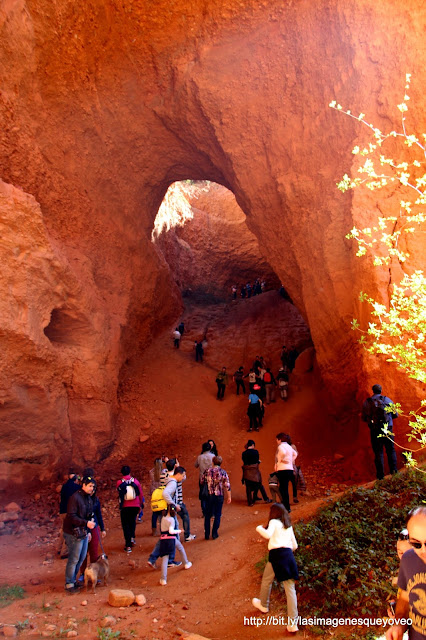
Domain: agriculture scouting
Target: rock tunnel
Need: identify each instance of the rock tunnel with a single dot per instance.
(105, 104)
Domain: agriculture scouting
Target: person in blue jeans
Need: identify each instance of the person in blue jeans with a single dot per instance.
(169, 494)
(218, 484)
(77, 524)
(372, 409)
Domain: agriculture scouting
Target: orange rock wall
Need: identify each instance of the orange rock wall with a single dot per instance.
(104, 103)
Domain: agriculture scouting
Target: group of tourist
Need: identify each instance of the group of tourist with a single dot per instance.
(83, 526)
(250, 289)
(262, 384)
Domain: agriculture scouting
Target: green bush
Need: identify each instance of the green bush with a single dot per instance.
(347, 552)
(10, 593)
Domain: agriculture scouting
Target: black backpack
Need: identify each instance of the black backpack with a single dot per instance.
(378, 413)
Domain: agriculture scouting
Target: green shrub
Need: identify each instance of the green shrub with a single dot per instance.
(10, 593)
(349, 549)
(347, 552)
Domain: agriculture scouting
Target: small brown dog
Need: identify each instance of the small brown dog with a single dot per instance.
(97, 571)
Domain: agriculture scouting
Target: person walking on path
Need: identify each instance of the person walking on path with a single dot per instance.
(254, 410)
(171, 476)
(154, 483)
(203, 462)
(130, 501)
(281, 565)
(284, 460)
(176, 338)
(282, 378)
(183, 511)
(95, 547)
(238, 379)
(67, 490)
(251, 375)
(169, 542)
(77, 524)
(252, 477)
(218, 484)
(270, 384)
(199, 351)
(284, 357)
(374, 413)
(222, 383)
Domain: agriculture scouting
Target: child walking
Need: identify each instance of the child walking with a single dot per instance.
(281, 564)
(168, 540)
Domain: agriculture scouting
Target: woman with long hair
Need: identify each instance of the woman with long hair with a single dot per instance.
(281, 564)
(213, 447)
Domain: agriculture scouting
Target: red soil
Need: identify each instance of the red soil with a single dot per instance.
(170, 398)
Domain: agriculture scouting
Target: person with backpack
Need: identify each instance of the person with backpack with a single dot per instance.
(154, 483)
(130, 499)
(254, 410)
(269, 382)
(171, 465)
(169, 485)
(375, 414)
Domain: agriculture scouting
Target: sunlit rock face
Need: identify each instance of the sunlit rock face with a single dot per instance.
(104, 105)
(61, 347)
(214, 250)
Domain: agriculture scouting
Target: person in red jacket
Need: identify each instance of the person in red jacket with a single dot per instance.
(131, 500)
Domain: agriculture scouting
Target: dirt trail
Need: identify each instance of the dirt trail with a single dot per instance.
(169, 401)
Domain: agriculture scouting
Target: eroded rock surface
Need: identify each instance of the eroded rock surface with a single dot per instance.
(102, 107)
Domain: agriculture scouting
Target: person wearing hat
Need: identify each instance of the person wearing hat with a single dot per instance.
(254, 409)
(374, 413)
(77, 524)
(252, 477)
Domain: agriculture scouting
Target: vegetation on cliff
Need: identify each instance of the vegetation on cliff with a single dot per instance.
(394, 163)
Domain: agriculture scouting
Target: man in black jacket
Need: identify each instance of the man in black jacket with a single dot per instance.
(78, 521)
(374, 413)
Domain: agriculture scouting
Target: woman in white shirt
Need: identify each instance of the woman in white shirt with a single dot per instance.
(281, 564)
(284, 460)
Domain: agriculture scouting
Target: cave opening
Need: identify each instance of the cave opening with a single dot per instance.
(202, 234)
(67, 327)
(219, 268)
